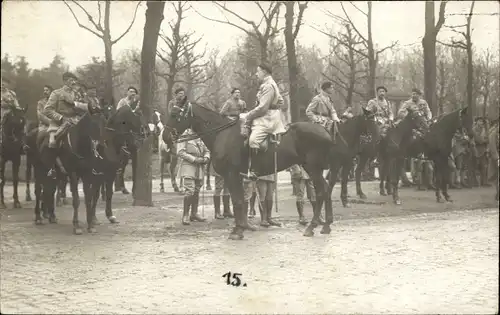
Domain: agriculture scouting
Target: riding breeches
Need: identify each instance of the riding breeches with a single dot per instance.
(220, 186)
(263, 126)
(302, 186)
(248, 189)
(265, 189)
(192, 186)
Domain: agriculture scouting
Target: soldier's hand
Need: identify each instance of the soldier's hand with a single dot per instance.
(198, 160)
(205, 160)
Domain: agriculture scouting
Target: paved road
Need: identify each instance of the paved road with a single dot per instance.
(422, 257)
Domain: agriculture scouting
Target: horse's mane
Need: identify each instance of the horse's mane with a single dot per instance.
(210, 115)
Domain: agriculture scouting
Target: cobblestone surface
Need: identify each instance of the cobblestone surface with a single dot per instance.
(422, 257)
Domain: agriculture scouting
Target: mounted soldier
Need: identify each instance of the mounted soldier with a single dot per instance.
(8, 104)
(234, 106)
(131, 99)
(265, 118)
(382, 109)
(194, 157)
(179, 99)
(64, 110)
(321, 110)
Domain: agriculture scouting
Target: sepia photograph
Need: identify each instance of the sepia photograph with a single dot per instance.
(249, 157)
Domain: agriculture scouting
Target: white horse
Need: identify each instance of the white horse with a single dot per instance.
(167, 154)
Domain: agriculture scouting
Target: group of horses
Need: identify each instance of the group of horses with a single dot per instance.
(93, 151)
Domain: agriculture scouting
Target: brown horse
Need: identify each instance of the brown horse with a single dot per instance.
(304, 143)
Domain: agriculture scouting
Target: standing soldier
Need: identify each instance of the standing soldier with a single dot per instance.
(194, 156)
(9, 102)
(321, 110)
(265, 188)
(420, 105)
(480, 157)
(234, 106)
(63, 110)
(459, 148)
(265, 118)
(493, 145)
(302, 183)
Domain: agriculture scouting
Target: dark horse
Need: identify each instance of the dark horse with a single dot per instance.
(12, 149)
(123, 126)
(78, 156)
(166, 151)
(304, 143)
(394, 149)
(347, 146)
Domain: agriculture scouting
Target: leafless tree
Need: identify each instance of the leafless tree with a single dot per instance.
(100, 27)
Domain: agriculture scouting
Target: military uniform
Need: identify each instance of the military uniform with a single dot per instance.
(265, 118)
(220, 187)
(302, 183)
(383, 113)
(194, 156)
(493, 145)
(459, 152)
(9, 102)
(233, 108)
(43, 121)
(480, 152)
(265, 189)
(321, 110)
(126, 102)
(420, 106)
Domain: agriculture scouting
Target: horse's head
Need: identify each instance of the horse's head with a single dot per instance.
(179, 119)
(126, 125)
(13, 127)
(417, 120)
(368, 124)
(465, 121)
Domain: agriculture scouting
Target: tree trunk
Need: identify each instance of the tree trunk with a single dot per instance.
(441, 88)
(429, 46)
(108, 53)
(263, 51)
(154, 16)
(292, 62)
(372, 59)
(470, 68)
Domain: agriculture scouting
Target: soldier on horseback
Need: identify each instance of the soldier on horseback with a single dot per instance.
(43, 121)
(131, 99)
(321, 110)
(8, 104)
(63, 110)
(382, 109)
(234, 106)
(265, 118)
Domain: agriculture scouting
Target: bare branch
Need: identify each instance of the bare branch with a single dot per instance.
(352, 24)
(366, 14)
(441, 19)
(302, 8)
(80, 24)
(388, 47)
(454, 44)
(129, 27)
(455, 26)
(226, 22)
(99, 9)
(252, 23)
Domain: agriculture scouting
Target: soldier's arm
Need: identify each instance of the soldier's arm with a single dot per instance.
(428, 112)
(41, 117)
(50, 109)
(224, 108)
(266, 98)
(311, 110)
(402, 110)
(121, 103)
(244, 108)
(182, 153)
(16, 103)
(371, 105)
(391, 112)
(335, 117)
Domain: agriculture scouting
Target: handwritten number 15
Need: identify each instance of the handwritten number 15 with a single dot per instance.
(236, 282)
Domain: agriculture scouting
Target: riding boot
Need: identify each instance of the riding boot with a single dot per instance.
(269, 204)
(464, 182)
(300, 210)
(218, 215)
(252, 203)
(263, 214)
(227, 208)
(252, 174)
(194, 210)
(244, 218)
(187, 205)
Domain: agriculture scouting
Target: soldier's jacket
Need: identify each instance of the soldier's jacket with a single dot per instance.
(493, 142)
(126, 102)
(9, 99)
(42, 119)
(421, 106)
(298, 172)
(480, 140)
(61, 103)
(233, 108)
(268, 98)
(382, 109)
(321, 109)
(459, 144)
(188, 151)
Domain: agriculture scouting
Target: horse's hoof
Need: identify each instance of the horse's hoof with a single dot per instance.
(39, 221)
(112, 219)
(449, 199)
(439, 200)
(308, 233)
(77, 231)
(53, 220)
(346, 204)
(17, 205)
(28, 197)
(235, 236)
(125, 191)
(382, 193)
(92, 230)
(397, 202)
(303, 221)
(326, 229)
(95, 221)
(362, 196)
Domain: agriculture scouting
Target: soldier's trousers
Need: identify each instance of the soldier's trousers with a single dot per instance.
(192, 186)
(302, 186)
(265, 189)
(248, 188)
(220, 186)
(263, 126)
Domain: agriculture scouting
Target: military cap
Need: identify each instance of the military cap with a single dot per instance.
(381, 87)
(133, 88)
(478, 118)
(68, 75)
(266, 68)
(415, 90)
(326, 85)
(48, 86)
(179, 89)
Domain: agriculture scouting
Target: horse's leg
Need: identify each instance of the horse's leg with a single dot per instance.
(319, 182)
(108, 181)
(73, 183)
(88, 203)
(134, 170)
(162, 163)
(235, 186)
(359, 168)
(438, 185)
(173, 173)
(38, 200)
(383, 174)
(208, 176)
(346, 169)
(395, 172)
(49, 189)
(29, 165)
(2, 182)
(16, 161)
(445, 179)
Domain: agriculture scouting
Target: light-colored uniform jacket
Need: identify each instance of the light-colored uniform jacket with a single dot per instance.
(43, 121)
(421, 106)
(480, 140)
(321, 110)
(233, 108)
(493, 143)
(266, 116)
(188, 151)
(382, 109)
(62, 103)
(125, 102)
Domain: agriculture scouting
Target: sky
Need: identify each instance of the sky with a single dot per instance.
(40, 29)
